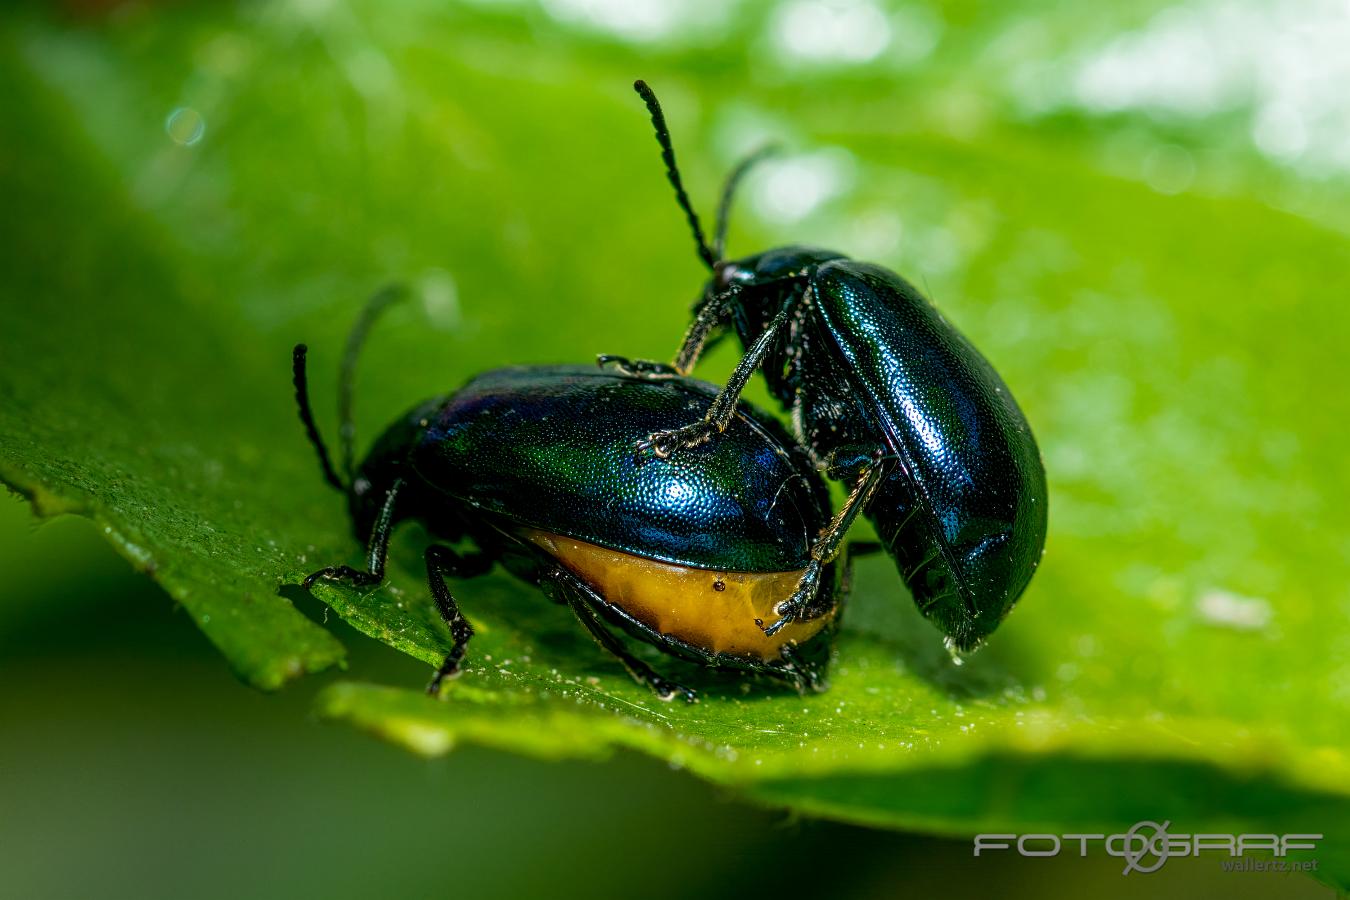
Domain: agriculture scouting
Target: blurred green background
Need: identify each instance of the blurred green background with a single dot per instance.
(1138, 210)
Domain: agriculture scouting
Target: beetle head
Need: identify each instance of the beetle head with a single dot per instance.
(388, 463)
(754, 288)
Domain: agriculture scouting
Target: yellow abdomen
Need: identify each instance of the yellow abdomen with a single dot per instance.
(710, 609)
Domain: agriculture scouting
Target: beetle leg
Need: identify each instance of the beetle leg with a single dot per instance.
(376, 553)
(723, 408)
(574, 591)
(442, 561)
(802, 676)
(806, 671)
(710, 313)
(827, 547)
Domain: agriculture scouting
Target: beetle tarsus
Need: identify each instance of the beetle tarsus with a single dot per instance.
(792, 608)
(787, 615)
(669, 690)
(448, 671)
(342, 573)
(637, 368)
(664, 444)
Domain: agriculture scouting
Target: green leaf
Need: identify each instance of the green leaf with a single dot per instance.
(1182, 652)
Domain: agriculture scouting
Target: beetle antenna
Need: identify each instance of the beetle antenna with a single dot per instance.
(375, 307)
(301, 381)
(705, 253)
(729, 192)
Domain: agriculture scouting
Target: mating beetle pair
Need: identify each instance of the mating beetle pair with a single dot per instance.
(884, 394)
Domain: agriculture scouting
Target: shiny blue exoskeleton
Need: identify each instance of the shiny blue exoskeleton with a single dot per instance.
(521, 461)
(887, 396)
(551, 447)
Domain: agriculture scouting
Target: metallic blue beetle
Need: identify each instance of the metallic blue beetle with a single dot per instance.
(888, 397)
(534, 465)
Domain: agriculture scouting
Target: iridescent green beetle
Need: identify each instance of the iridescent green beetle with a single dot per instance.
(535, 466)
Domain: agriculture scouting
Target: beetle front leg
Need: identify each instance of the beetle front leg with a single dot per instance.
(376, 552)
(663, 443)
(442, 561)
(711, 313)
(827, 547)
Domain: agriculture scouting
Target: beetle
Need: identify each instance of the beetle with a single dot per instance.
(888, 397)
(534, 466)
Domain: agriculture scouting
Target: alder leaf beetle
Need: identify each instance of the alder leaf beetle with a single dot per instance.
(534, 466)
(887, 396)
